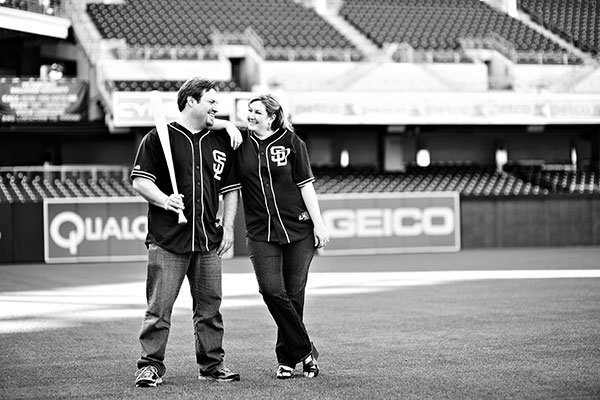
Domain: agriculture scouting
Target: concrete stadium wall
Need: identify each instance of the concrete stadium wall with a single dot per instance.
(385, 77)
(165, 69)
(589, 82)
(21, 232)
(542, 75)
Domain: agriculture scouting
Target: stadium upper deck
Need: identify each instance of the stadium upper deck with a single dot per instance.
(284, 27)
(443, 24)
(431, 31)
(576, 21)
(279, 26)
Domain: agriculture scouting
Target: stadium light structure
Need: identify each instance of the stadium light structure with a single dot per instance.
(344, 158)
(423, 158)
(501, 159)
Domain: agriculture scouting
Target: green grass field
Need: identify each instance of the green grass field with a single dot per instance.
(478, 324)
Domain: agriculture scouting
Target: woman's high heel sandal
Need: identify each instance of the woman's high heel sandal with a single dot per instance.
(285, 372)
(310, 366)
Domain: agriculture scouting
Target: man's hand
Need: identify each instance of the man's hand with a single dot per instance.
(235, 136)
(234, 133)
(226, 242)
(174, 202)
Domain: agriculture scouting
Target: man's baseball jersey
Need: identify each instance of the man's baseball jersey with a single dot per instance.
(204, 168)
(272, 171)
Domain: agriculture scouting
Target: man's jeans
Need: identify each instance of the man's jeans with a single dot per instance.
(281, 272)
(165, 275)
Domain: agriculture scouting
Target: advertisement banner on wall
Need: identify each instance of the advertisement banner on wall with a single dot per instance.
(391, 223)
(427, 108)
(43, 101)
(95, 229)
(133, 108)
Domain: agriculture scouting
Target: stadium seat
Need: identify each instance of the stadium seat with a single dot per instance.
(441, 24)
(577, 22)
(467, 180)
(289, 26)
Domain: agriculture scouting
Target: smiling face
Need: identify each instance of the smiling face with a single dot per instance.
(258, 119)
(205, 109)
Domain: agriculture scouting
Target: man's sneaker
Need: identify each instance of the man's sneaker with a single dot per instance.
(221, 374)
(285, 372)
(147, 377)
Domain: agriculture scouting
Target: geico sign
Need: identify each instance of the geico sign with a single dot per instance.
(95, 229)
(378, 222)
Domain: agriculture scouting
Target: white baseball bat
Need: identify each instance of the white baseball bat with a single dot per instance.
(160, 120)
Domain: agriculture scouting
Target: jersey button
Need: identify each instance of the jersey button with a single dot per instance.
(197, 167)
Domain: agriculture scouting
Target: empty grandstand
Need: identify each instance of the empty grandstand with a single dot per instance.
(280, 27)
(576, 21)
(449, 25)
(34, 184)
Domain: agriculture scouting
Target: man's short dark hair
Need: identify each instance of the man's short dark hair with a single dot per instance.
(195, 87)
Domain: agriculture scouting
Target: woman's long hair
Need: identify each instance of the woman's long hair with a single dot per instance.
(273, 107)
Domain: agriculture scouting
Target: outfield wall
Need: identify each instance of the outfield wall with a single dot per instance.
(552, 220)
(481, 222)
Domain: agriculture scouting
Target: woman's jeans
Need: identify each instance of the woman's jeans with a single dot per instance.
(282, 271)
(165, 275)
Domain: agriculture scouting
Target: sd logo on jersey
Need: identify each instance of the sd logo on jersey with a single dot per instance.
(279, 155)
(219, 164)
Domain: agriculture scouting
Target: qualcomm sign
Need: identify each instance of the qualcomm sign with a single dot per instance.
(391, 223)
(94, 229)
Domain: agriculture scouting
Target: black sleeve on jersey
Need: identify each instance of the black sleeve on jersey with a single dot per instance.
(149, 152)
(301, 170)
(229, 178)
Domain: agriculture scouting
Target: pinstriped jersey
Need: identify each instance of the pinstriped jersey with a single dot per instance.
(204, 168)
(271, 172)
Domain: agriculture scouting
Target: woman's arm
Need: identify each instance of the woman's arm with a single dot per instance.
(312, 205)
(234, 133)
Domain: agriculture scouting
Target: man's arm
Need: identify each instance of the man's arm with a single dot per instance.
(234, 133)
(230, 206)
(153, 195)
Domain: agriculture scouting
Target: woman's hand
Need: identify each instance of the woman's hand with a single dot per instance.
(322, 236)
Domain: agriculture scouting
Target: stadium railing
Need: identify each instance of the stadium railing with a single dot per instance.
(119, 49)
(493, 41)
(34, 183)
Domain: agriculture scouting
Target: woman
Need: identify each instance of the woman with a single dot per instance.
(284, 226)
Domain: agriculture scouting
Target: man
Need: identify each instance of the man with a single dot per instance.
(204, 168)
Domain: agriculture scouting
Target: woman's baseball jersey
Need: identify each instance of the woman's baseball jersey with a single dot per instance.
(271, 172)
(204, 168)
